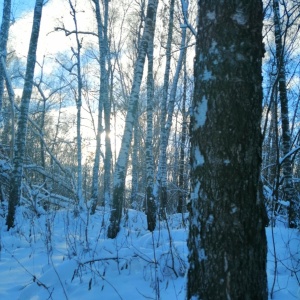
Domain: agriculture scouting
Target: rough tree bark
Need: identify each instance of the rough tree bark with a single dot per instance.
(120, 168)
(227, 239)
(16, 178)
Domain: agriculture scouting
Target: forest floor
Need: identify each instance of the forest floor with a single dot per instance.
(59, 256)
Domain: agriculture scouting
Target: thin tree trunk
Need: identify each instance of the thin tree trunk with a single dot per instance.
(150, 199)
(3, 47)
(288, 186)
(78, 97)
(17, 173)
(160, 189)
(11, 96)
(227, 241)
(181, 180)
(103, 101)
(173, 91)
(42, 147)
(135, 162)
(120, 168)
(136, 133)
(167, 123)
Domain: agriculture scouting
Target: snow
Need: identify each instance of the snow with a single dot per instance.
(207, 75)
(239, 17)
(199, 158)
(59, 256)
(200, 113)
(202, 255)
(195, 191)
(226, 161)
(281, 160)
(211, 15)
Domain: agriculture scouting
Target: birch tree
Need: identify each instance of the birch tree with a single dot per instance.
(160, 189)
(181, 179)
(3, 47)
(150, 198)
(76, 52)
(103, 102)
(167, 115)
(121, 163)
(16, 178)
(107, 108)
(288, 185)
(227, 242)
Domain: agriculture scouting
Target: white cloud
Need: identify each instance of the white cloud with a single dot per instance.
(55, 13)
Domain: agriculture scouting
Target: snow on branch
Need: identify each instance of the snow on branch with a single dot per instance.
(281, 160)
(185, 5)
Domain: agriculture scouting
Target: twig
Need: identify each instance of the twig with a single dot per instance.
(59, 278)
(34, 278)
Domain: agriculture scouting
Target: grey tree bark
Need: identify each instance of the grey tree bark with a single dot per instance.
(227, 241)
(16, 178)
(120, 168)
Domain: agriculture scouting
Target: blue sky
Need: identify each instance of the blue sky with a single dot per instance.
(18, 7)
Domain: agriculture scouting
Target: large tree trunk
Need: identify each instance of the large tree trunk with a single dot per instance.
(3, 45)
(288, 186)
(120, 168)
(16, 178)
(227, 239)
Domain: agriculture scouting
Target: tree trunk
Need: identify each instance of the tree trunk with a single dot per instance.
(78, 98)
(181, 179)
(135, 161)
(150, 199)
(3, 45)
(11, 96)
(288, 185)
(120, 168)
(227, 240)
(160, 189)
(16, 178)
(103, 102)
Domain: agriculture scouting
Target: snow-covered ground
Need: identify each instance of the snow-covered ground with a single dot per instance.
(59, 256)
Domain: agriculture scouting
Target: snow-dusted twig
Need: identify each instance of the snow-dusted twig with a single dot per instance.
(282, 159)
(59, 279)
(185, 5)
(34, 278)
